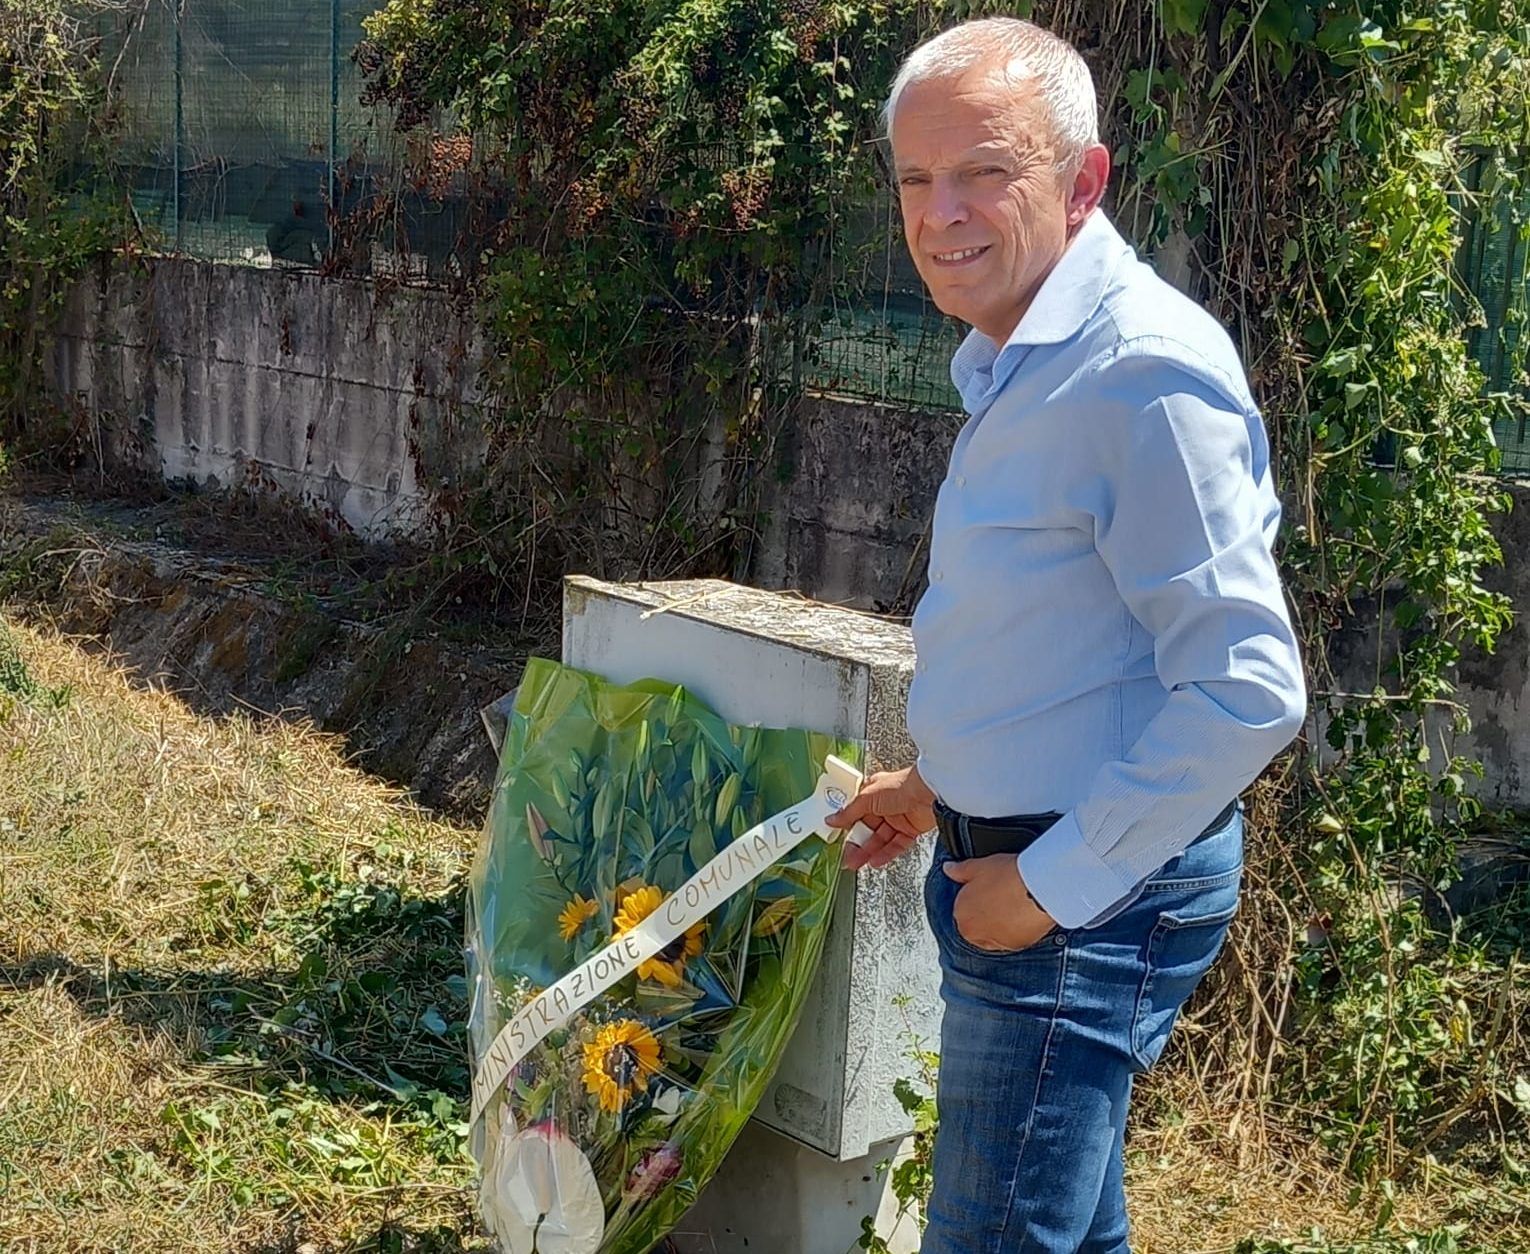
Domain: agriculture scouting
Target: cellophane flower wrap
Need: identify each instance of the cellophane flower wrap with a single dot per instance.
(608, 798)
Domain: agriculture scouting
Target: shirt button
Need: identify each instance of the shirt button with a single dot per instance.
(961, 481)
(939, 576)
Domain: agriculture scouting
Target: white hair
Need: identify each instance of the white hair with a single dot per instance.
(1022, 50)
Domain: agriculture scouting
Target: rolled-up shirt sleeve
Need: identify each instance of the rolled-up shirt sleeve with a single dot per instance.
(1184, 517)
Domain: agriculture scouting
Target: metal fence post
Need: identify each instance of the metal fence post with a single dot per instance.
(334, 115)
(180, 121)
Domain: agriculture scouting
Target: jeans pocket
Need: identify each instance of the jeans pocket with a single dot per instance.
(940, 908)
(1181, 949)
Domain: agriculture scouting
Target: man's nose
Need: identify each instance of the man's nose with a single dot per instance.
(946, 206)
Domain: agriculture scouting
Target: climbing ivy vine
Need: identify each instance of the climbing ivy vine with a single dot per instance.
(52, 222)
(677, 176)
(1388, 437)
(1385, 437)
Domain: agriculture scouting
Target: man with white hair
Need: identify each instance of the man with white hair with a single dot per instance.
(1105, 659)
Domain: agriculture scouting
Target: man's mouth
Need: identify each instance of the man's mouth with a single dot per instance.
(959, 256)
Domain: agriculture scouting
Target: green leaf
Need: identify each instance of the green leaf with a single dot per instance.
(1339, 33)
(376, 981)
(1183, 17)
(1340, 363)
(727, 800)
(638, 829)
(1372, 37)
(703, 844)
(605, 801)
(774, 917)
(908, 1097)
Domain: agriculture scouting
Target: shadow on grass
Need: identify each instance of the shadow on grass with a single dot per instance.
(404, 1239)
(373, 1010)
(368, 1022)
(394, 1239)
(371, 1015)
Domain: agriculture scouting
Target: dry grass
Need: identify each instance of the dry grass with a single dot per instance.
(216, 939)
(226, 960)
(1199, 1186)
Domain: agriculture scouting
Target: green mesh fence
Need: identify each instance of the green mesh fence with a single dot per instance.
(896, 350)
(1493, 269)
(245, 140)
(881, 338)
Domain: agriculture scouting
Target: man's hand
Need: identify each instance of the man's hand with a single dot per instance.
(898, 807)
(994, 910)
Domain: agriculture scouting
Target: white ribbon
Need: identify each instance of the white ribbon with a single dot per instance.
(739, 864)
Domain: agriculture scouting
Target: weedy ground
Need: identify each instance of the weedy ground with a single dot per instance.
(232, 1003)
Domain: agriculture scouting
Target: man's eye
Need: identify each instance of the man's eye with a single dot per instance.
(912, 180)
(988, 170)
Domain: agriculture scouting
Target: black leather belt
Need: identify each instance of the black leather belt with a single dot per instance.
(967, 837)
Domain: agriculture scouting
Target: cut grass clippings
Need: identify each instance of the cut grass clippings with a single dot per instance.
(231, 1006)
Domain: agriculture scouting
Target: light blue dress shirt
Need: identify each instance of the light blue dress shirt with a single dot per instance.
(1104, 634)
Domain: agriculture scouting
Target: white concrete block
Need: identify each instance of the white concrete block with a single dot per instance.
(774, 1196)
(776, 660)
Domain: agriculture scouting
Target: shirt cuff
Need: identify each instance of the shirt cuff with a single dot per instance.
(1067, 878)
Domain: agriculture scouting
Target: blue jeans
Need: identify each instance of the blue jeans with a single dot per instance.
(1038, 1053)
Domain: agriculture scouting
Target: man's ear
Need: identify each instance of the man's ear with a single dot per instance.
(1088, 184)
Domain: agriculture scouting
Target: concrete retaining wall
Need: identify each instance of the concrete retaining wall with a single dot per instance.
(353, 400)
(1496, 687)
(848, 516)
(229, 374)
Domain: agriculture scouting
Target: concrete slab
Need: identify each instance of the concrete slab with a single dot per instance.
(829, 1116)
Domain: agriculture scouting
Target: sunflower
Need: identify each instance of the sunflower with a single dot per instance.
(618, 1062)
(668, 965)
(575, 915)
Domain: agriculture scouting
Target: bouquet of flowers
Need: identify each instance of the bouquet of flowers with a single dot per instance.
(635, 986)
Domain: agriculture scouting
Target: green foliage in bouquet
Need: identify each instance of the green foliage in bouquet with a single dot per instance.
(609, 798)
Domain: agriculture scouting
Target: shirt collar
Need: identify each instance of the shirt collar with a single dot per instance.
(1070, 294)
(1067, 299)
